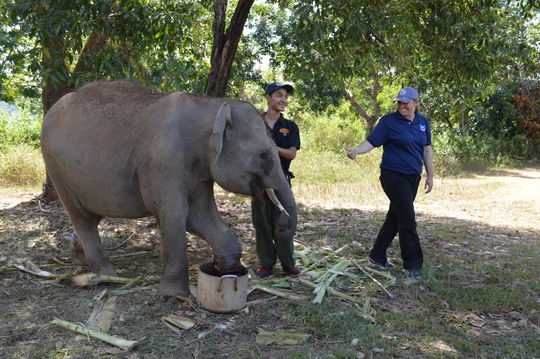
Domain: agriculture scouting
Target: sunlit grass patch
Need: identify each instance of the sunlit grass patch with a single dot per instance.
(21, 165)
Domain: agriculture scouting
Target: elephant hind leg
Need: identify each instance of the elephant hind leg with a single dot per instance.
(78, 257)
(88, 249)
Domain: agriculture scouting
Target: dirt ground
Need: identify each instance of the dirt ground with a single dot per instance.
(40, 234)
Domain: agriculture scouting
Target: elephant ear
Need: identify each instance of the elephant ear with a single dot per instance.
(223, 119)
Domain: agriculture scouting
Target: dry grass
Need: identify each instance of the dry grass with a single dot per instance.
(21, 165)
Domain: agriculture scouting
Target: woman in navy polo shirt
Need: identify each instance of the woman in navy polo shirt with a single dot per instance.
(406, 139)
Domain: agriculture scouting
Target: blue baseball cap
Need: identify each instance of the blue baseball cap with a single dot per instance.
(278, 85)
(407, 94)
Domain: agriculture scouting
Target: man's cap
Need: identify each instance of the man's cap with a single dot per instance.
(407, 94)
(278, 85)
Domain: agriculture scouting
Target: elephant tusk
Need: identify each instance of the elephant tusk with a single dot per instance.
(270, 192)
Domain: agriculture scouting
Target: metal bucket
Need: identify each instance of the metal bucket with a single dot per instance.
(225, 294)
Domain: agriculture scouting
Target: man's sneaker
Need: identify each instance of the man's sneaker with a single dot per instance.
(293, 272)
(263, 273)
(413, 273)
(373, 263)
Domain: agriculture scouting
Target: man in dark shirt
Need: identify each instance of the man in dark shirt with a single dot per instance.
(287, 138)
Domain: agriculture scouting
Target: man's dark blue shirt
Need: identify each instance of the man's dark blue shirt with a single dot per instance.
(286, 135)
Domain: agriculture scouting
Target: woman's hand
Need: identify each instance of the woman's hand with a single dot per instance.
(429, 184)
(361, 148)
(351, 152)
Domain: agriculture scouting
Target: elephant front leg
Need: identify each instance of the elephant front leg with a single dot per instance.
(175, 277)
(227, 254)
(205, 221)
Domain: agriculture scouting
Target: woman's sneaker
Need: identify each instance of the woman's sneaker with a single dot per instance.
(413, 273)
(373, 263)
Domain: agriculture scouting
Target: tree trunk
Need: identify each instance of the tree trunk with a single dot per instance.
(225, 45)
(52, 92)
(370, 120)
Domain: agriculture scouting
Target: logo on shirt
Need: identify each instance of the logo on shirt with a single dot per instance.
(423, 128)
(285, 131)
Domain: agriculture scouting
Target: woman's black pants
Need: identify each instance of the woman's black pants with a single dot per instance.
(401, 189)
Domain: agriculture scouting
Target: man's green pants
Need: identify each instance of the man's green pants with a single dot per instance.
(268, 248)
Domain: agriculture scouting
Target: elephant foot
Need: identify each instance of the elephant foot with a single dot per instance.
(169, 292)
(78, 258)
(105, 270)
(225, 265)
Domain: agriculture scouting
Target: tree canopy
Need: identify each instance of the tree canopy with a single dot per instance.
(455, 52)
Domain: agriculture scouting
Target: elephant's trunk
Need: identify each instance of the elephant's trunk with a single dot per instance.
(286, 224)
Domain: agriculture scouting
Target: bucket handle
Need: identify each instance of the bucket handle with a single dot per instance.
(229, 276)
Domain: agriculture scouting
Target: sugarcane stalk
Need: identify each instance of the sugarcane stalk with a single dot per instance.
(277, 292)
(130, 283)
(102, 315)
(86, 279)
(179, 322)
(339, 250)
(382, 274)
(390, 295)
(265, 337)
(325, 258)
(134, 290)
(325, 283)
(320, 261)
(331, 291)
(337, 269)
(104, 337)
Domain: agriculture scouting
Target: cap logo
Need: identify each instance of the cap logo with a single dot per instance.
(402, 92)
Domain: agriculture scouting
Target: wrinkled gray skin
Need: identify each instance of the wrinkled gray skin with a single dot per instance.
(122, 150)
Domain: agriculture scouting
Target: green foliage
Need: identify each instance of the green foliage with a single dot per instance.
(162, 43)
(457, 150)
(491, 135)
(22, 126)
(333, 131)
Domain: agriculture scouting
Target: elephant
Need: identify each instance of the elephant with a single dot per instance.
(122, 150)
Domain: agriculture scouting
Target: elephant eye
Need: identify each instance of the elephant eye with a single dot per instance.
(264, 156)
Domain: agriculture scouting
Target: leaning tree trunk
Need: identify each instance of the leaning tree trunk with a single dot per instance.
(52, 92)
(370, 120)
(225, 45)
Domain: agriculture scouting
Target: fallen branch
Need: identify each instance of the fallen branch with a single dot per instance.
(104, 337)
(128, 255)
